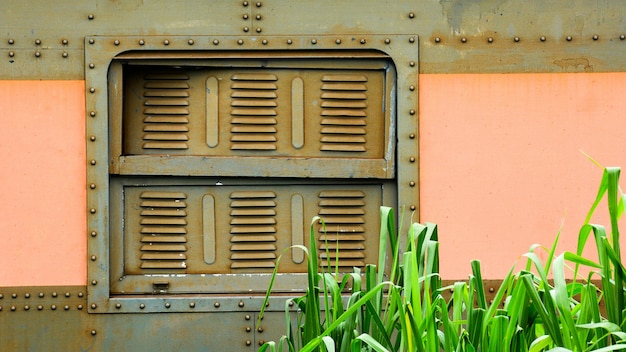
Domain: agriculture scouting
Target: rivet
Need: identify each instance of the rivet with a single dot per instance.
(215, 41)
(64, 41)
(216, 304)
(261, 342)
(190, 42)
(412, 40)
(26, 307)
(0, 308)
(192, 305)
(245, 3)
(248, 329)
(94, 234)
(116, 42)
(463, 40)
(569, 38)
(167, 305)
(412, 63)
(66, 307)
(258, 30)
(118, 305)
(92, 210)
(90, 16)
(543, 39)
(37, 54)
(13, 308)
(491, 289)
(246, 29)
(92, 65)
(41, 295)
(412, 136)
(92, 90)
(595, 37)
(80, 294)
(260, 329)
(92, 186)
(516, 39)
(289, 41)
(412, 112)
(92, 138)
(91, 41)
(412, 88)
(437, 40)
(412, 184)
(64, 54)
(622, 37)
(258, 17)
(94, 282)
(412, 159)
(490, 40)
(248, 342)
(37, 42)
(11, 41)
(241, 304)
(1, 296)
(39, 307)
(53, 307)
(247, 317)
(142, 42)
(92, 114)
(313, 41)
(93, 332)
(240, 41)
(27, 295)
(93, 258)
(94, 306)
(337, 41)
(166, 42)
(92, 162)
(54, 294)
(67, 294)
(362, 41)
(291, 303)
(412, 207)
(245, 16)
(79, 307)
(258, 4)
(142, 306)
(411, 15)
(14, 295)
(11, 54)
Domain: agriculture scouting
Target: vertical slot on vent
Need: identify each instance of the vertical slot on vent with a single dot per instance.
(166, 111)
(253, 229)
(344, 112)
(342, 233)
(253, 113)
(163, 221)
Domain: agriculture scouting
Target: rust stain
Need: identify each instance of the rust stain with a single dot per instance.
(569, 63)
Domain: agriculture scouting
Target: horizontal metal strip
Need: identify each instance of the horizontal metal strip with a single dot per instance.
(251, 137)
(163, 265)
(344, 87)
(344, 130)
(252, 229)
(163, 195)
(253, 120)
(341, 203)
(164, 248)
(343, 220)
(166, 93)
(163, 230)
(254, 77)
(254, 86)
(344, 104)
(252, 221)
(342, 194)
(252, 255)
(163, 203)
(153, 220)
(165, 110)
(165, 145)
(166, 137)
(166, 119)
(252, 194)
(253, 112)
(341, 211)
(163, 239)
(253, 247)
(253, 129)
(254, 103)
(342, 148)
(252, 203)
(342, 139)
(163, 256)
(163, 212)
(344, 121)
(346, 96)
(165, 128)
(344, 112)
(337, 229)
(344, 78)
(252, 238)
(165, 85)
(166, 102)
(253, 146)
(253, 94)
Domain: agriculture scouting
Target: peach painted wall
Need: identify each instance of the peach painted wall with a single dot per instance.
(501, 165)
(42, 183)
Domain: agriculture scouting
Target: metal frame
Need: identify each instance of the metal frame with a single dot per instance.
(101, 51)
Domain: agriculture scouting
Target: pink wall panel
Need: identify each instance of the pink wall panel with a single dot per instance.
(501, 165)
(42, 183)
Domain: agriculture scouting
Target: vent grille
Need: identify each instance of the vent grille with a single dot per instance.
(163, 230)
(253, 229)
(253, 111)
(342, 234)
(344, 104)
(166, 111)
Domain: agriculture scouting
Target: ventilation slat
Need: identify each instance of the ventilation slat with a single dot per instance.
(163, 256)
(343, 130)
(166, 102)
(253, 212)
(254, 77)
(344, 78)
(344, 122)
(341, 202)
(254, 94)
(163, 265)
(343, 139)
(163, 110)
(163, 212)
(342, 148)
(344, 112)
(345, 96)
(164, 247)
(165, 85)
(253, 247)
(252, 229)
(253, 221)
(165, 128)
(252, 203)
(166, 76)
(344, 86)
(164, 230)
(163, 239)
(250, 137)
(254, 103)
(165, 145)
(253, 129)
(165, 119)
(165, 137)
(252, 238)
(254, 85)
(344, 104)
(254, 256)
(163, 195)
(163, 204)
(163, 221)
(252, 264)
(169, 93)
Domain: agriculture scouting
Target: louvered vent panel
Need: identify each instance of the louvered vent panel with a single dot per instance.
(166, 111)
(253, 229)
(343, 236)
(163, 230)
(253, 111)
(344, 112)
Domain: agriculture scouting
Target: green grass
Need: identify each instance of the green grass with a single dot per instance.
(399, 305)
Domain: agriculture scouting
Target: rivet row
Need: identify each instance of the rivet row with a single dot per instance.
(517, 39)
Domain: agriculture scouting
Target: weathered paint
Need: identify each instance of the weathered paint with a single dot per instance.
(502, 163)
(42, 183)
